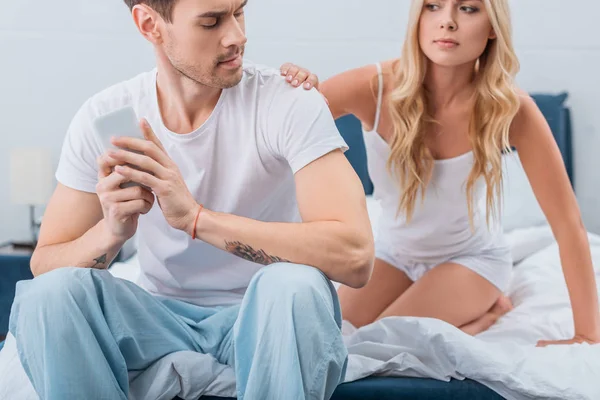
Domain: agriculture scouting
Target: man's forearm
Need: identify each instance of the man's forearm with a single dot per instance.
(342, 252)
(95, 249)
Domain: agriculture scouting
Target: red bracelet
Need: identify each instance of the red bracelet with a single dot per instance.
(196, 222)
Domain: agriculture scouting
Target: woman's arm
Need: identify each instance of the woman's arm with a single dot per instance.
(351, 92)
(543, 164)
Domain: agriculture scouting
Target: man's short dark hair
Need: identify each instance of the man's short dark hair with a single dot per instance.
(163, 7)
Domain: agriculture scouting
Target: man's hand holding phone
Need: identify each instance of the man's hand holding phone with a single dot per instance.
(159, 173)
(121, 206)
(122, 200)
(135, 168)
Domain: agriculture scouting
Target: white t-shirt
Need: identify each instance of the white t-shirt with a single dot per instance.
(241, 161)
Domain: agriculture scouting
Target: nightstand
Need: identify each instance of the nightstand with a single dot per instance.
(14, 267)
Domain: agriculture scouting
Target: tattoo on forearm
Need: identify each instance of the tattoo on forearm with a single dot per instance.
(100, 260)
(98, 263)
(248, 253)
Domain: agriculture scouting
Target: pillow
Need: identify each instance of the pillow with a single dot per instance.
(520, 208)
(524, 242)
(351, 130)
(558, 117)
(552, 107)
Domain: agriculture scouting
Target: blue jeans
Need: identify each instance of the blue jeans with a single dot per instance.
(79, 332)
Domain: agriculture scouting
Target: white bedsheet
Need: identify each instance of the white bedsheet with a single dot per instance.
(503, 358)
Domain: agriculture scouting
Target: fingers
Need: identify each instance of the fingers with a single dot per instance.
(120, 204)
(124, 210)
(291, 73)
(110, 183)
(134, 175)
(306, 79)
(546, 343)
(131, 193)
(300, 78)
(285, 68)
(146, 147)
(124, 157)
(312, 81)
(149, 134)
(151, 146)
(105, 165)
(297, 76)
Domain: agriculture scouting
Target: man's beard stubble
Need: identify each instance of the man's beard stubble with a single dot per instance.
(210, 79)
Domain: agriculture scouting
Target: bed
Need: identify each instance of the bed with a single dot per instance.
(413, 358)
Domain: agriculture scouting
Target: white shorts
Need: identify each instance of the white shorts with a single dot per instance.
(495, 265)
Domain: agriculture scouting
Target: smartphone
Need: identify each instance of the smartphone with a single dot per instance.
(122, 122)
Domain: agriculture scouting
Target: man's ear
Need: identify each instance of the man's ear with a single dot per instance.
(147, 21)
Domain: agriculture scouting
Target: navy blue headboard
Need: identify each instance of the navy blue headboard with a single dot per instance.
(559, 118)
(552, 107)
(351, 130)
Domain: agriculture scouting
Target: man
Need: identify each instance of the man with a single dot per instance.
(249, 209)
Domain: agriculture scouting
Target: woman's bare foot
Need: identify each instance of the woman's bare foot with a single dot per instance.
(502, 306)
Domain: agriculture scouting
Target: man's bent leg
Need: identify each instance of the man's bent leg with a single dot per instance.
(287, 339)
(79, 331)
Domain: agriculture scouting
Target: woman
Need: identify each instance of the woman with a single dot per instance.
(436, 123)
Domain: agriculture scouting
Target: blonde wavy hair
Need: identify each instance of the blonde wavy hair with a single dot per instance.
(496, 103)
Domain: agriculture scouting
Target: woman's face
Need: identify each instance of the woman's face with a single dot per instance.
(454, 32)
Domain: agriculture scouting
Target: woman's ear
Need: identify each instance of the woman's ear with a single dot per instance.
(492, 34)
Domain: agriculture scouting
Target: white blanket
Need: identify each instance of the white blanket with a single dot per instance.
(504, 358)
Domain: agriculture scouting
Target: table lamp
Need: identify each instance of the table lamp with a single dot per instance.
(31, 181)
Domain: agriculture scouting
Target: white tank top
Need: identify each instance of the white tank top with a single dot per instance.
(440, 225)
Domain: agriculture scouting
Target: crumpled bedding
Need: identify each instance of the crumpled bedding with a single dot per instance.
(503, 358)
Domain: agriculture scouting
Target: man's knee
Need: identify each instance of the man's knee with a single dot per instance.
(291, 278)
(301, 284)
(53, 288)
(304, 303)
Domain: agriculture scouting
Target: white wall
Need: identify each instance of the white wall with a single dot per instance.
(56, 54)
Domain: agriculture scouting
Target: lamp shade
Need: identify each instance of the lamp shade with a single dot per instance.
(31, 176)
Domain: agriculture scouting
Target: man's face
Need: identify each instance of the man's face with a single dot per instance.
(205, 41)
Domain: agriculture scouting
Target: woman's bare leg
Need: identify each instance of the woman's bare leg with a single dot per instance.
(502, 306)
(362, 306)
(452, 293)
